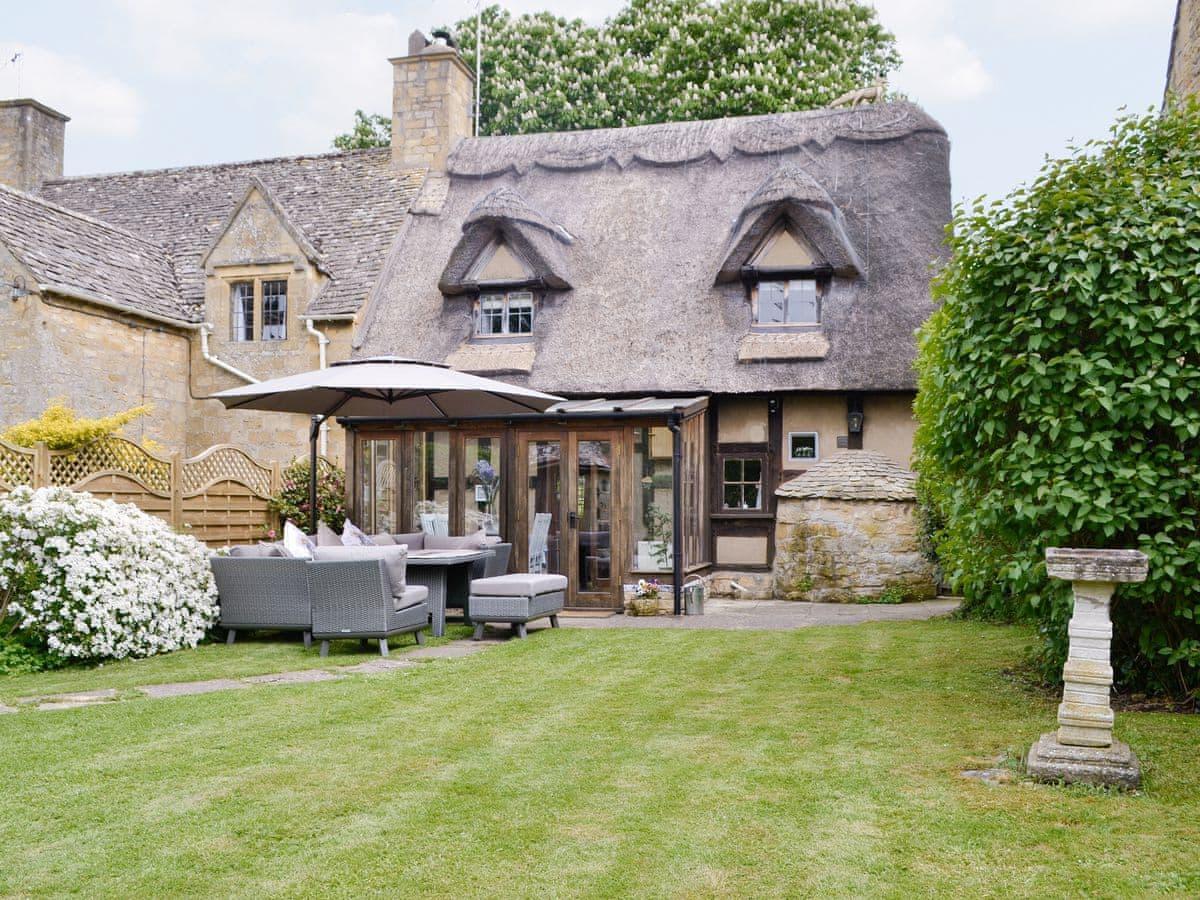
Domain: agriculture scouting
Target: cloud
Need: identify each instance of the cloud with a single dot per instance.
(1076, 18)
(98, 103)
(939, 65)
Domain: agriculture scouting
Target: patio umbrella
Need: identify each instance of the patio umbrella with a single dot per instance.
(383, 387)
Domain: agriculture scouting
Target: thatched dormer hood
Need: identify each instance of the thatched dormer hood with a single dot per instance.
(647, 221)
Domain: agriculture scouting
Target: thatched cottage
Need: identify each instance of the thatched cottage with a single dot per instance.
(724, 302)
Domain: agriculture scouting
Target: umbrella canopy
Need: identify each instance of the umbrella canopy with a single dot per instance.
(382, 387)
(388, 387)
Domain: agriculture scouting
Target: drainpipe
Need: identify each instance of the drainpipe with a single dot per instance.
(205, 330)
(322, 343)
(676, 510)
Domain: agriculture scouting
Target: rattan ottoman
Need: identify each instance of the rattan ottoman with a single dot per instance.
(517, 599)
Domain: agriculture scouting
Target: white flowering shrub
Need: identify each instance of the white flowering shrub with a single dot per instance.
(94, 579)
(671, 60)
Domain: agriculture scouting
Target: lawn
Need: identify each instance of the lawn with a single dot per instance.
(599, 763)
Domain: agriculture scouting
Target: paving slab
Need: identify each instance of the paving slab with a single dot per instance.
(7, 709)
(72, 700)
(187, 688)
(304, 676)
(454, 650)
(379, 664)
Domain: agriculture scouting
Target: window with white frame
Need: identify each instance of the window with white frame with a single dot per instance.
(498, 315)
(741, 482)
(803, 446)
(794, 301)
(274, 310)
(241, 311)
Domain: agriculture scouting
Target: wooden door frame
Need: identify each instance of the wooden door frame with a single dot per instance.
(617, 538)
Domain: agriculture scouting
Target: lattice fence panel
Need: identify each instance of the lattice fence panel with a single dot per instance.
(225, 463)
(114, 454)
(16, 466)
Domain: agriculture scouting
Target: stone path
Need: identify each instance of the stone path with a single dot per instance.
(775, 615)
(372, 666)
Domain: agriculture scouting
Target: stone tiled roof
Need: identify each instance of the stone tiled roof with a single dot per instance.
(853, 475)
(348, 206)
(65, 248)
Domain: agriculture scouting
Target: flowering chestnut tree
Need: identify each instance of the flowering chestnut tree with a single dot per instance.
(88, 579)
(664, 61)
(669, 60)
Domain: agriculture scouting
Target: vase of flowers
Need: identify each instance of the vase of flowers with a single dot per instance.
(644, 601)
(486, 481)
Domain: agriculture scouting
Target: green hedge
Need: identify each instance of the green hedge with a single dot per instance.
(1059, 399)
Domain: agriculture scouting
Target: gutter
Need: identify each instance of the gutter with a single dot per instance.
(322, 343)
(75, 294)
(205, 330)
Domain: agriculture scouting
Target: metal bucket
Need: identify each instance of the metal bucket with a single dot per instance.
(693, 598)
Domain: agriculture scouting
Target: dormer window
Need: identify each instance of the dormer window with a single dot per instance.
(264, 299)
(794, 301)
(504, 314)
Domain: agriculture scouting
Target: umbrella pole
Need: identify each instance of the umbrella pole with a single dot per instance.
(313, 433)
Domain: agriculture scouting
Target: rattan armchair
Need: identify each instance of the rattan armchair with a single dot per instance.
(353, 599)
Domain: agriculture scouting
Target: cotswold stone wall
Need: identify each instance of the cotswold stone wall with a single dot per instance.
(832, 550)
(1185, 50)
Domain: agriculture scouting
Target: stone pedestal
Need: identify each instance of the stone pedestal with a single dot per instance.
(1083, 749)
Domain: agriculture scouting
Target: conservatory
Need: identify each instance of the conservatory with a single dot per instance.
(602, 491)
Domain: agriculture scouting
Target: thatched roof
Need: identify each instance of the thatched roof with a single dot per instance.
(647, 220)
(344, 209)
(853, 475)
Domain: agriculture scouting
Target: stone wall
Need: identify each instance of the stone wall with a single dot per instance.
(432, 106)
(830, 550)
(1184, 72)
(31, 143)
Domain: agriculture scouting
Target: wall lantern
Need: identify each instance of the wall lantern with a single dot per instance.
(854, 421)
(17, 286)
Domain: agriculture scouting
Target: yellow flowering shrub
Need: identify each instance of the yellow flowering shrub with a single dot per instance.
(63, 429)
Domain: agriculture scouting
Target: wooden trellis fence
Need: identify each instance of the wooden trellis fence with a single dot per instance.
(221, 496)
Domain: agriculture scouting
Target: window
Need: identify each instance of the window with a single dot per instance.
(803, 446)
(505, 314)
(741, 482)
(241, 311)
(792, 302)
(274, 310)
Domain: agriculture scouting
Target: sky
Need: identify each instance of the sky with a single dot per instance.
(158, 83)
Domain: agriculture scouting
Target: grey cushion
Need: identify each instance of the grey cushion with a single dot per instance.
(327, 537)
(414, 540)
(413, 594)
(256, 551)
(395, 558)
(476, 541)
(519, 585)
(383, 540)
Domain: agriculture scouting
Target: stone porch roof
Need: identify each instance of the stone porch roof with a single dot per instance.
(853, 475)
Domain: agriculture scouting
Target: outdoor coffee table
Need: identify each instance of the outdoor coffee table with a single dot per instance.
(447, 574)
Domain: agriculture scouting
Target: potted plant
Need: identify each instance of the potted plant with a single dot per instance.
(645, 598)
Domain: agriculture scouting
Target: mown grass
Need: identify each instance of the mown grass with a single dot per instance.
(620, 762)
(258, 653)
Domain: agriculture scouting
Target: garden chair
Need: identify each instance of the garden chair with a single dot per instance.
(262, 593)
(436, 524)
(539, 537)
(354, 599)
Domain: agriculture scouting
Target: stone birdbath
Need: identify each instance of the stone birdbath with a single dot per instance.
(1083, 749)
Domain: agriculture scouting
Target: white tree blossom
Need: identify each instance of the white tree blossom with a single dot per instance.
(668, 60)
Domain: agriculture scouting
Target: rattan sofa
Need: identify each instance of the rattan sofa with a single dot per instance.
(354, 599)
(263, 593)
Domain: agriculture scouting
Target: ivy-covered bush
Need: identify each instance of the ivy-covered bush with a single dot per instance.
(89, 579)
(292, 500)
(1059, 399)
(670, 60)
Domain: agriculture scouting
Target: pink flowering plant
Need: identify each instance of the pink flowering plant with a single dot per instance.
(89, 579)
(292, 500)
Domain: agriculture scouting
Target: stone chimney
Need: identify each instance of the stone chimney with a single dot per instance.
(31, 143)
(433, 94)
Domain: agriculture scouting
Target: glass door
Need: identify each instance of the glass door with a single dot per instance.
(541, 504)
(592, 517)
